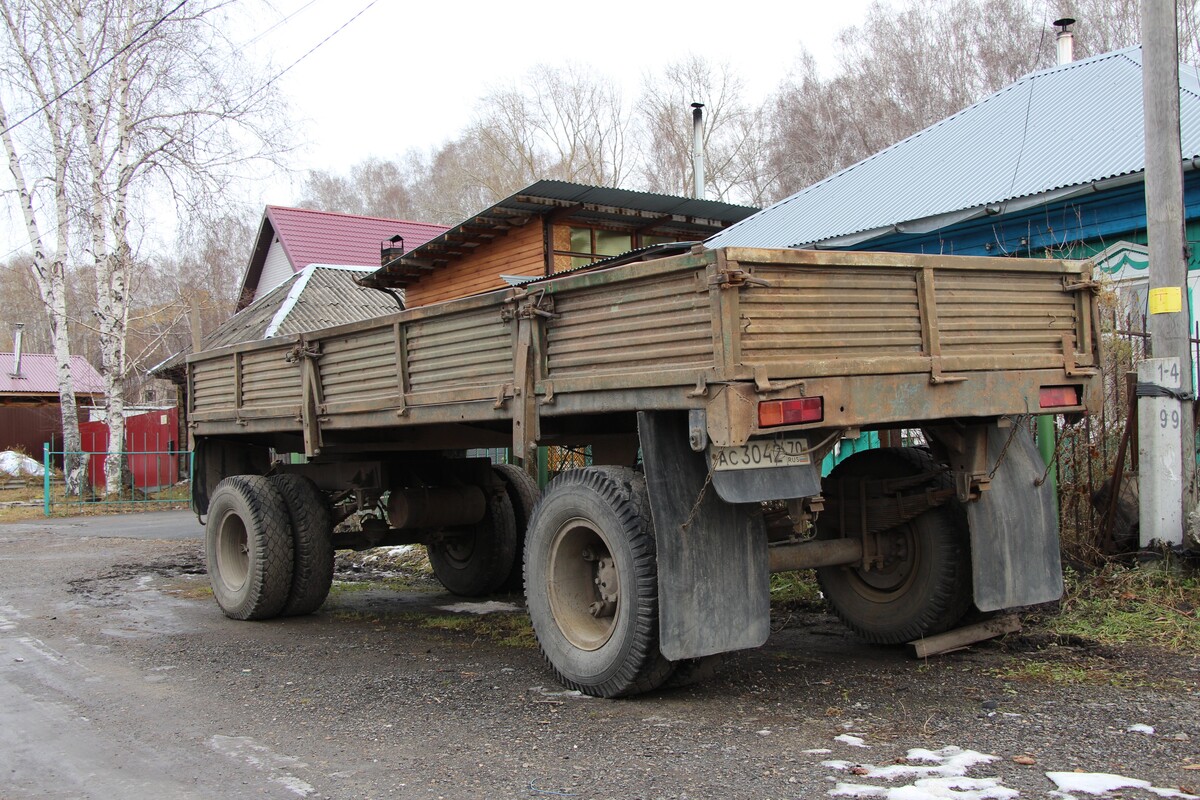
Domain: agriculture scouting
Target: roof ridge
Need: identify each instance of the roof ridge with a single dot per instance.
(354, 216)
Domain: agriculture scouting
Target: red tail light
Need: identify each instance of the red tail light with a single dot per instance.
(772, 413)
(1058, 396)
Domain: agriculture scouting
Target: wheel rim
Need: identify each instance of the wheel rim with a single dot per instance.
(233, 552)
(582, 585)
(458, 549)
(896, 576)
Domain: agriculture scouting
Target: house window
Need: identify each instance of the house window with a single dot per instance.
(578, 246)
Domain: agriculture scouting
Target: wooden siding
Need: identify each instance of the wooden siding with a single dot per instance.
(521, 252)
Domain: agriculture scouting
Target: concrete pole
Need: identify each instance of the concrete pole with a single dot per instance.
(1169, 315)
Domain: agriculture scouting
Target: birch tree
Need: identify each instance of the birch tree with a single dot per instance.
(148, 102)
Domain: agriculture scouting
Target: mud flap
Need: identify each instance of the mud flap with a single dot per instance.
(1014, 529)
(713, 581)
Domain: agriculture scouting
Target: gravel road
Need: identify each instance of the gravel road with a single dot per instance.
(119, 677)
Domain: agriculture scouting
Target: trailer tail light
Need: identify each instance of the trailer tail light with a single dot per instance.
(1058, 396)
(772, 413)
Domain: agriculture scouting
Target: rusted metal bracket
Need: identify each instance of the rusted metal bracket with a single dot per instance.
(1069, 365)
(762, 383)
(701, 389)
(736, 279)
(937, 378)
(1086, 285)
(505, 394)
(303, 350)
(529, 305)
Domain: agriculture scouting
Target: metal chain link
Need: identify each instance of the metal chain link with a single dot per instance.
(696, 506)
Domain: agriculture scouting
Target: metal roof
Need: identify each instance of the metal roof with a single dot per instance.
(39, 375)
(1047, 136)
(324, 237)
(571, 202)
(319, 296)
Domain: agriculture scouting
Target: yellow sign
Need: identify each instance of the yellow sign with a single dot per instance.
(1166, 300)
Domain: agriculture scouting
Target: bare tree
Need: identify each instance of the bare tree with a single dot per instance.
(144, 96)
(374, 187)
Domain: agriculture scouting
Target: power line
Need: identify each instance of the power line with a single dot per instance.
(283, 21)
(99, 67)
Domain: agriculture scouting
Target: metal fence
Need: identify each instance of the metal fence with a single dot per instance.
(159, 478)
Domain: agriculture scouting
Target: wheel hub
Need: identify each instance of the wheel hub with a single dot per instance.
(583, 585)
(233, 552)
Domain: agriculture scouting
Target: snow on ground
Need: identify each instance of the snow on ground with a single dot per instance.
(1097, 783)
(1139, 728)
(853, 741)
(17, 464)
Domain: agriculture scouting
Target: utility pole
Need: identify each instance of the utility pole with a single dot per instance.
(1168, 462)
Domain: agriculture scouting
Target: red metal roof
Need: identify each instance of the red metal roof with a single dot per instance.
(39, 375)
(323, 237)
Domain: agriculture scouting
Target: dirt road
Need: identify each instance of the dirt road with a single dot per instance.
(119, 677)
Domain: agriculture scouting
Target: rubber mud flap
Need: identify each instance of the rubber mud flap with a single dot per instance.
(1015, 554)
(714, 583)
(767, 483)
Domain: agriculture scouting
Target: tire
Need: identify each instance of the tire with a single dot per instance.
(523, 493)
(924, 593)
(312, 555)
(248, 544)
(594, 525)
(476, 561)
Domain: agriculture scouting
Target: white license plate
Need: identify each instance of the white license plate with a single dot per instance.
(761, 453)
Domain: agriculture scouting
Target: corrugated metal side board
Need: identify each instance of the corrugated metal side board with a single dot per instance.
(982, 313)
(638, 329)
(835, 316)
(213, 386)
(359, 367)
(269, 380)
(470, 353)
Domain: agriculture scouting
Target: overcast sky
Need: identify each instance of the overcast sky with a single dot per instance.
(401, 75)
(406, 75)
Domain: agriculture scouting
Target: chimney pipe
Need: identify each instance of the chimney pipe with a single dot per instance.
(698, 150)
(1065, 40)
(18, 332)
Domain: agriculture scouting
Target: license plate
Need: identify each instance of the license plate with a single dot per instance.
(762, 453)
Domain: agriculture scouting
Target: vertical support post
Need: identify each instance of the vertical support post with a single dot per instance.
(1045, 442)
(46, 478)
(1160, 461)
(1169, 312)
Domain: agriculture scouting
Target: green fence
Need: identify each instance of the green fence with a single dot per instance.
(151, 477)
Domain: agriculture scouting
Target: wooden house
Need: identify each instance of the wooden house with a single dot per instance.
(546, 228)
(30, 413)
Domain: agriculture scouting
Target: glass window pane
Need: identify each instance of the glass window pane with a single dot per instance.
(581, 240)
(612, 243)
(580, 261)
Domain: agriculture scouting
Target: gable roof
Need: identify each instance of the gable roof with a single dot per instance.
(39, 375)
(318, 296)
(571, 202)
(324, 237)
(1052, 134)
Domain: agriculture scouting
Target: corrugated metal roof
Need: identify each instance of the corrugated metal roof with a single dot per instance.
(1059, 130)
(323, 237)
(319, 296)
(573, 202)
(39, 375)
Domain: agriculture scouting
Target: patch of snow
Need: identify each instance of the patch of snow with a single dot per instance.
(487, 607)
(818, 751)
(838, 764)
(1097, 783)
(16, 464)
(931, 789)
(949, 762)
(1139, 728)
(853, 741)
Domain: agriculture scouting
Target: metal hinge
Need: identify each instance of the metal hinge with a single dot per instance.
(736, 279)
(528, 306)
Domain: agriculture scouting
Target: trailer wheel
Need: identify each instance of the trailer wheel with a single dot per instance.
(591, 582)
(248, 543)
(475, 561)
(312, 529)
(925, 592)
(523, 493)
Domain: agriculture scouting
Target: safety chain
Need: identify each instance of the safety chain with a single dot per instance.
(1016, 427)
(1053, 460)
(696, 506)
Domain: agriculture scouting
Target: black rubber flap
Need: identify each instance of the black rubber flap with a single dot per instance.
(713, 583)
(1014, 529)
(767, 483)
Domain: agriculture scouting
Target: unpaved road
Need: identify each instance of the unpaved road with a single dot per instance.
(120, 678)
